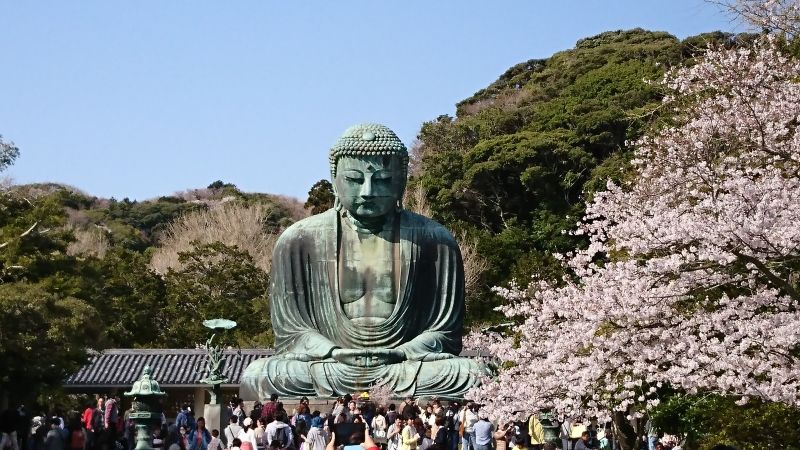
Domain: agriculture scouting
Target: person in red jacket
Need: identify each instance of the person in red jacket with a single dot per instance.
(270, 408)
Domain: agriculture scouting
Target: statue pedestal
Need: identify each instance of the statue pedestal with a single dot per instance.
(214, 417)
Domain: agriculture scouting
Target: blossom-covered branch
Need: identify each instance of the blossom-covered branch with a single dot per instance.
(689, 278)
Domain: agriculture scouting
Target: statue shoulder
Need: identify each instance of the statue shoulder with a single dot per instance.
(309, 227)
(431, 228)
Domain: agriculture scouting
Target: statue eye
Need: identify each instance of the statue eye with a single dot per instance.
(354, 178)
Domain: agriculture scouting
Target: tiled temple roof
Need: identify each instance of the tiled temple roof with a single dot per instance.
(175, 367)
(116, 368)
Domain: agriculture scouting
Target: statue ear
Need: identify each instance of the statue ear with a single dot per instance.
(337, 205)
(402, 194)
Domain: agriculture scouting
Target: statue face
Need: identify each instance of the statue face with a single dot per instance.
(369, 186)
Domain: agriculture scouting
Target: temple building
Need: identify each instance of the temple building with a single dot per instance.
(178, 371)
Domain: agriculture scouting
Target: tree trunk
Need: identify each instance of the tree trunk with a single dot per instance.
(624, 432)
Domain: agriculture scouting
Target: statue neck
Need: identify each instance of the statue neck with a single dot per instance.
(368, 225)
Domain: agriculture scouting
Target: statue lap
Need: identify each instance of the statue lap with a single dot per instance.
(447, 377)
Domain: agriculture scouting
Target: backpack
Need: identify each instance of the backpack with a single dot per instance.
(283, 438)
(408, 411)
(97, 420)
(77, 439)
(449, 420)
(255, 414)
(232, 432)
(111, 405)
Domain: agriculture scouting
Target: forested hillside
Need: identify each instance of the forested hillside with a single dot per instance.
(511, 172)
(84, 272)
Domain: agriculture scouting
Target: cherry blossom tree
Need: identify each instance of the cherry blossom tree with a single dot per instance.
(777, 16)
(689, 281)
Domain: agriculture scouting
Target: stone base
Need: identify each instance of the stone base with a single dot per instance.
(325, 404)
(214, 418)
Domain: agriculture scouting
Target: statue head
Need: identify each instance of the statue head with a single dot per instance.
(369, 166)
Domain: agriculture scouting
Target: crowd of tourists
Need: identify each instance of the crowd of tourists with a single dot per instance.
(101, 426)
(271, 425)
(408, 425)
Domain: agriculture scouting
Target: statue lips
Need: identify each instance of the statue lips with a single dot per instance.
(369, 208)
(373, 202)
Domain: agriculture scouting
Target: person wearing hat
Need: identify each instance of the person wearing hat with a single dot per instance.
(317, 438)
(483, 432)
(248, 433)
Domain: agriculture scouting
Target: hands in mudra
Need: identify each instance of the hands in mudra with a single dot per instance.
(367, 357)
(358, 357)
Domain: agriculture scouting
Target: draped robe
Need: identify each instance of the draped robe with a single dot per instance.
(309, 320)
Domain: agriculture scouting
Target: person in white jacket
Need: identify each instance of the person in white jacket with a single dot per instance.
(248, 433)
(279, 430)
(564, 432)
(232, 431)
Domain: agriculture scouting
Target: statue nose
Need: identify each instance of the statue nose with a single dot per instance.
(366, 189)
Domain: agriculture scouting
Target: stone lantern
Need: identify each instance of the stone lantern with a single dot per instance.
(145, 411)
(549, 426)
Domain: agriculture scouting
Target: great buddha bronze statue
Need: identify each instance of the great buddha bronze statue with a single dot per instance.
(365, 291)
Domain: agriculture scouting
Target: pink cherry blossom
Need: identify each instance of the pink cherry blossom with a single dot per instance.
(690, 276)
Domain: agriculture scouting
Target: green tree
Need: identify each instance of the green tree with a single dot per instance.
(219, 184)
(43, 337)
(8, 153)
(515, 165)
(320, 197)
(704, 421)
(127, 295)
(147, 218)
(45, 331)
(216, 281)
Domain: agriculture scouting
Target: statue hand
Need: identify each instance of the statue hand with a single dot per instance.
(367, 357)
(296, 356)
(348, 356)
(438, 356)
(388, 355)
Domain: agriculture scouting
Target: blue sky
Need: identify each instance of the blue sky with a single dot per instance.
(142, 99)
